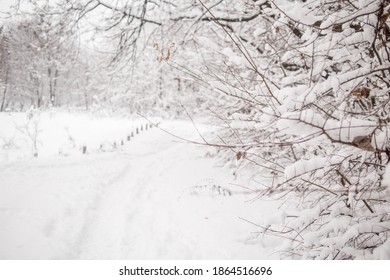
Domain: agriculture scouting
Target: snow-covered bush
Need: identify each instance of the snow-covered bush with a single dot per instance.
(306, 99)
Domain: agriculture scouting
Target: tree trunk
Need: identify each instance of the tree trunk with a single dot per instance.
(52, 85)
(39, 99)
(86, 88)
(3, 105)
(53, 98)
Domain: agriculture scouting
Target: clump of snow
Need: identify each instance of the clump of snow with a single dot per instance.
(233, 58)
(304, 167)
(386, 177)
(207, 43)
(383, 251)
(381, 139)
(299, 13)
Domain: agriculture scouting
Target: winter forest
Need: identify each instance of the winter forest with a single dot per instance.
(195, 129)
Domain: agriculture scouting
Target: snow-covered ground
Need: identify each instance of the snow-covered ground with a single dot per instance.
(58, 134)
(153, 198)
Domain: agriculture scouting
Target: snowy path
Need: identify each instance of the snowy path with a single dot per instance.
(141, 202)
(125, 221)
